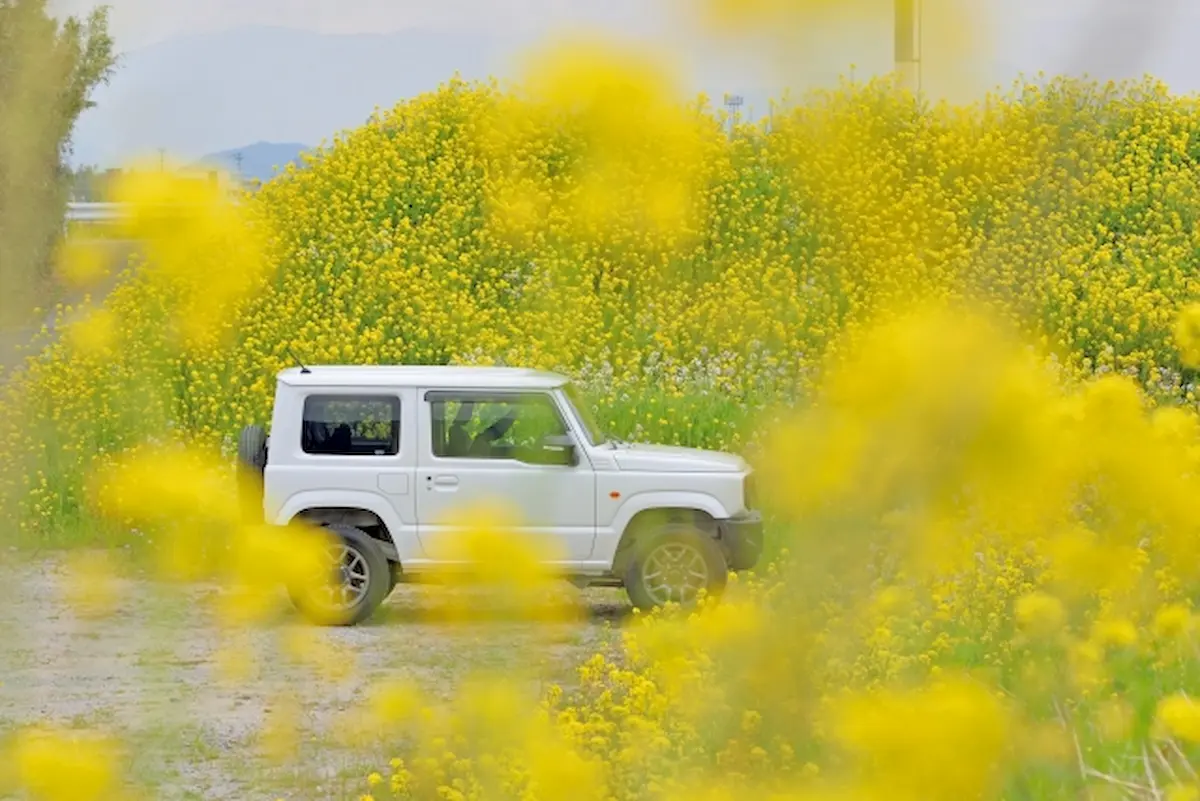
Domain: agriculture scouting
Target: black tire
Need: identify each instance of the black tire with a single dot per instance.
(252, 448)
(693, 548)
(252, 462)
(312, 596)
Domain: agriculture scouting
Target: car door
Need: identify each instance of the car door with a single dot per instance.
(482, 450)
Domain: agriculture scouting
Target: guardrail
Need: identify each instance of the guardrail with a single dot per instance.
(114, 212)
(96, 212)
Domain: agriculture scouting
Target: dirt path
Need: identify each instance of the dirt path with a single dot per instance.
(152, 673)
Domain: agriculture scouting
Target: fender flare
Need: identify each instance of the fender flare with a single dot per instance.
(340, 499)
(648, 501)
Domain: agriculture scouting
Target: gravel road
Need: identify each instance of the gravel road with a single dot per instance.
(153, 672)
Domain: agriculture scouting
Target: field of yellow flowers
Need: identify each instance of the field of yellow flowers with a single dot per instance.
(958, 341)
(688, 276)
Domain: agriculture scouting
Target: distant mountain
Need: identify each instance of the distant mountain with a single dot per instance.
(261, 160)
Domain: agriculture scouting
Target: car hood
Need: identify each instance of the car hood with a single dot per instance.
(668, 459)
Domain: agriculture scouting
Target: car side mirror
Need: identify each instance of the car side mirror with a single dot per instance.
(557, 449)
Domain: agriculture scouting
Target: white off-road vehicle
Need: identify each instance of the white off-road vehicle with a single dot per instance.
(387, 458)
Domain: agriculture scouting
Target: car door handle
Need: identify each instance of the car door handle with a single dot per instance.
(446, 482)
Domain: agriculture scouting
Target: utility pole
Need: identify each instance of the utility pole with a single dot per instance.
(237, 157)
(162, 159)
(908, 44)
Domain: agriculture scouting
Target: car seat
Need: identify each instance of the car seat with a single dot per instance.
(481, 448)
(458, 442)
(341, 440)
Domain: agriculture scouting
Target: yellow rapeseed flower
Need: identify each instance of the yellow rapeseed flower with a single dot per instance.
(1040, 614)
(1179, 716)
(58, 765)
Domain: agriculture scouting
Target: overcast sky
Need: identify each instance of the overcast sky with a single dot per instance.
(244, 87)
(137, 23)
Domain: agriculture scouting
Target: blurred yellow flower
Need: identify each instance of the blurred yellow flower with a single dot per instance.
(57, 765)
(946, 741)
(82, 264)
(1114, 633)
(281, 731)
(1182, 792)
(395, 702)
(1172, 621)
(1179, 716)
(95, 334)
(1040, 614)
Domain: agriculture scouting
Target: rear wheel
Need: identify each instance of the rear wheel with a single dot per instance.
(347, 582)
(677, 564)
(252, 461)
(252, 448)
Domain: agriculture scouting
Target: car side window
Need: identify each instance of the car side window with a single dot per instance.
(351, 425)
(470, 426)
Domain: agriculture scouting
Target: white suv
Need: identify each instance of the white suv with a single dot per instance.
(383, 457)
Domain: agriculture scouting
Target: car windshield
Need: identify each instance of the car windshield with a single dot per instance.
(583, 413)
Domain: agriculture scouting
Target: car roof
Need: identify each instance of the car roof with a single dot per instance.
(424, 376)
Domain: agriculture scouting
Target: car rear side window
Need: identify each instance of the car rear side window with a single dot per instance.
(351, 425)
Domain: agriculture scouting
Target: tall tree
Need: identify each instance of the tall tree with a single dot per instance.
(48, 70)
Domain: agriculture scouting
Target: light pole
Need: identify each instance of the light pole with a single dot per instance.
(733, 103)
(908, 44)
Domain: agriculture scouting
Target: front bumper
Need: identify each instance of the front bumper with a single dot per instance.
(741, 538)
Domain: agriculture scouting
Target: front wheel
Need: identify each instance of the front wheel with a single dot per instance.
(347, 581)
(676, 565)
